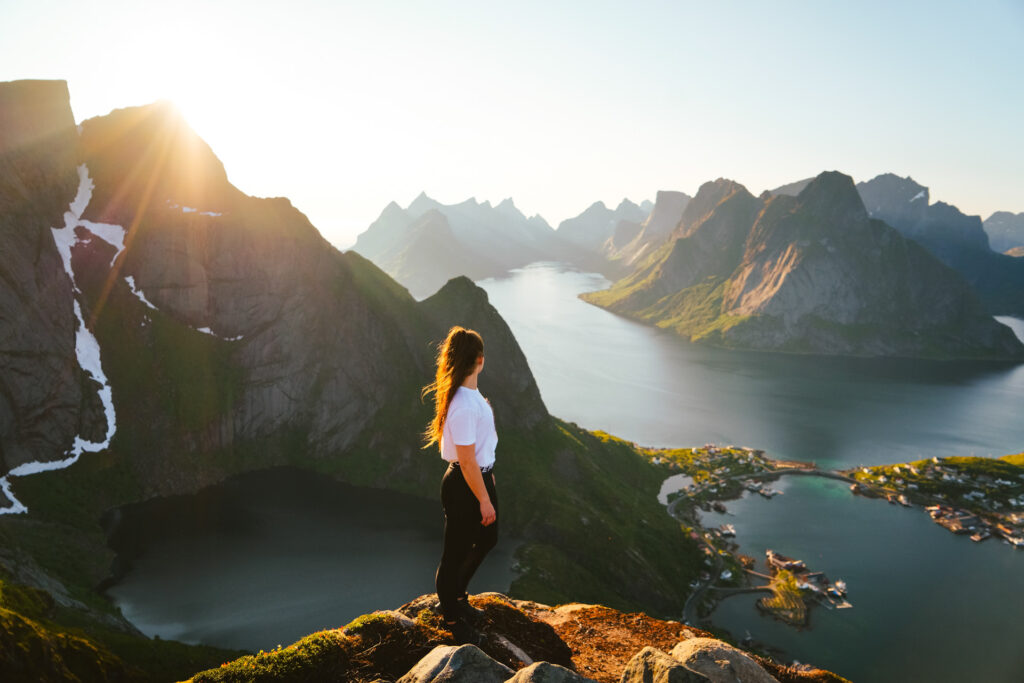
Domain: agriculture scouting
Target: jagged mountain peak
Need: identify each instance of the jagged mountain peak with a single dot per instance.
(833, 198)
(392, 209)
(887, 188)
(170, 163)
(709, 195)
(627, 205)
(421, 204)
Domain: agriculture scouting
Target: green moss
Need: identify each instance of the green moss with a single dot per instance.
(322, 656)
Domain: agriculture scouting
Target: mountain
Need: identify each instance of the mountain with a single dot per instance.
(597, 224)
(1005, 230)
(792, 189)
(958, 240)
(630, 246)
(164, 331)
(427, 243)
(812, 273)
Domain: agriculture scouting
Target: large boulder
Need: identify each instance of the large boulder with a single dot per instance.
(719, 662)
(546, 672)
(652, 665)
(457, 664)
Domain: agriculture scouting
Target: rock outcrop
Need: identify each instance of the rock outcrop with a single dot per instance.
(525, 642)
(457, 664)
(809, 274)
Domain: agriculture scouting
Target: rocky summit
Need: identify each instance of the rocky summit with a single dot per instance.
(811, 273)
(523, 642)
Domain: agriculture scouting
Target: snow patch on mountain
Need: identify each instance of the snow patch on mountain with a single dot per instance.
(138, 292)
(87, 348)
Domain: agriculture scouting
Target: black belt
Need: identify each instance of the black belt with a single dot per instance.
(483, 470)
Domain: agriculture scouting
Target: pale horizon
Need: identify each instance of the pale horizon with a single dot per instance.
(344, 108)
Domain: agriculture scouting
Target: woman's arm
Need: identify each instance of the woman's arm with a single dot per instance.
(473, 477)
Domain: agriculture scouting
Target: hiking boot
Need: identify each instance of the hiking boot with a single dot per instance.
(474, 615)
(464, 633)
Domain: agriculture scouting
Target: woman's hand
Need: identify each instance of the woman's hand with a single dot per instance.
(487, 513)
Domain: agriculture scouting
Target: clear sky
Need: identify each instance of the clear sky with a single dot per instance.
(345, 106)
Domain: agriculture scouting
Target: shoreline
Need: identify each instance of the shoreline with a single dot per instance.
(716, 474)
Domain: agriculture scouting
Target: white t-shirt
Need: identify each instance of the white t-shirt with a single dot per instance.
(470, 421)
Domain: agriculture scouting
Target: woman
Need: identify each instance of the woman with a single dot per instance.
(463, 427)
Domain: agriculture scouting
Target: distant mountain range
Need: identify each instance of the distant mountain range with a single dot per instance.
(958, 240)
(810, 273)
(428, 243)
(1005, 231)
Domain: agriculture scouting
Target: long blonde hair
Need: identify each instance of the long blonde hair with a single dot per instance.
(456, 360)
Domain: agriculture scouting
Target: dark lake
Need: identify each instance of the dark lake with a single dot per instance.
(269, 557)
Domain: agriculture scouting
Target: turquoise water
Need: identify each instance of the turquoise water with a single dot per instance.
(928, 605)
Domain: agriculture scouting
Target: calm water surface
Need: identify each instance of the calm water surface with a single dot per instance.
(928, 605)
(270, 557)
(648, 385)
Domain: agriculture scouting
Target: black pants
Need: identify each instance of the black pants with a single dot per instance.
(466, 540)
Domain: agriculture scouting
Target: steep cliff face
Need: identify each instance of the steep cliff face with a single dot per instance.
(46, 399)
(810, 273)
(629, 247)
(958, 240)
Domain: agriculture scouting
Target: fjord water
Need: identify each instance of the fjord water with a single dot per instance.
(927, 603)
(269, 557)
(649, 386)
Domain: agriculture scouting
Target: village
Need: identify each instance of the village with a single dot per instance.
(981, 497)
(710, 474)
